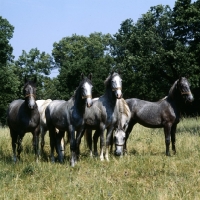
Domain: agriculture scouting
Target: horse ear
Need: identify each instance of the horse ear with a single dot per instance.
(82, 75)
(119, 71)
(35, 79)
(25, 79)
(90, 76)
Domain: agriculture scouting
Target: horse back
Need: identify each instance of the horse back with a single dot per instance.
(57, 114)
(151, 114)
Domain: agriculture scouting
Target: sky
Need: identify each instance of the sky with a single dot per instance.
(40, 23)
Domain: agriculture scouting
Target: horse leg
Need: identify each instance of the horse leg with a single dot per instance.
(36, 135)
(167, 131)
(60, 147)
(173, 138)
(72, 145)
(19, 144)
(101, 142)
(79, 135)
(95, 141)
(128, 131)
(42, 135)
(52, 136)
(14, 137)
(88, 136)
(108, 136)
(111, 142)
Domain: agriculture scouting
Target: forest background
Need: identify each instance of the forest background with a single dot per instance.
(151, 54)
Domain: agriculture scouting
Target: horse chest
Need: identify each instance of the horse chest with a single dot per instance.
(77, 119)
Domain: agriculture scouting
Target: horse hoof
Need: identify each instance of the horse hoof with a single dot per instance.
(102, 159)
(73, 164)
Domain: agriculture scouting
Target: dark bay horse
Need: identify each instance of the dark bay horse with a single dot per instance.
(23, 117)
(105, 114)
(162, 114)
(68, 116)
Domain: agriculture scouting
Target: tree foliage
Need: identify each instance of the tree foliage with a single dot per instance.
(36, 64)
(151, 53)
(6, 33)
(80, 54)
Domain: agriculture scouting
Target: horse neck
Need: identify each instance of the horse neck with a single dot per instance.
(174, 95)
(109, 94)
(123, 112)
(30, 112)
(79, 102)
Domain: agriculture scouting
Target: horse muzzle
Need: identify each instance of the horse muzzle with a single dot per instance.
(119, 149)
(89, 102)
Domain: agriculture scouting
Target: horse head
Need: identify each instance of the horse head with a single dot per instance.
(29, 92)
(86, 89)
(116, 84)
(184, 88)
(119, 139)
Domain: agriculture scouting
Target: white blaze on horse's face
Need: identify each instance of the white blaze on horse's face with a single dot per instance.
(117, 86)
(119, 142)
(87, 93)
(30, 94)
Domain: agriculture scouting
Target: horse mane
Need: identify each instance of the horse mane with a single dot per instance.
(160, 100)
(123, 107)
(172, 89)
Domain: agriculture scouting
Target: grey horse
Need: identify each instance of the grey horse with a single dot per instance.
(162, 114)
(68, 116)
(23, 117)
(105, 114)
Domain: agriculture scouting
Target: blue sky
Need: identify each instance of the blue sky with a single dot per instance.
(40, 23)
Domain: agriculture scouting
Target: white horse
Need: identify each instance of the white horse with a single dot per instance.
(42, 104)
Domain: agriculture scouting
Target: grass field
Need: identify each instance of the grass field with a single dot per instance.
(144, 173)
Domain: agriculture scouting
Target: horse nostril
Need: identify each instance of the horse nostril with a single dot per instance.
(89, 104)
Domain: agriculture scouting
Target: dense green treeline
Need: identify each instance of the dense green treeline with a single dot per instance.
(150, 54)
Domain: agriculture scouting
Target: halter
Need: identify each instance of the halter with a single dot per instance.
(28, 95)
(186, 93)
(120, 145)
(87, 96)
(118, 88)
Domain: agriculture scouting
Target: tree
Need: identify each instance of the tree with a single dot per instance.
(33, 64)
(78, 54)
(144, 52)
(6, 33)
(9, 88)
(8, 80)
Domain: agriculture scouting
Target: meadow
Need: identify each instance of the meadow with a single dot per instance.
(144, 173)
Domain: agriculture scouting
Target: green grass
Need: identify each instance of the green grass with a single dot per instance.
(144, 173)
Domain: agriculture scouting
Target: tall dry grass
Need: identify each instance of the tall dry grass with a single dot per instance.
(144, 173)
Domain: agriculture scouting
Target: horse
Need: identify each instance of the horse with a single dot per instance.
(162, 114)
(42, 104)
(68, 116)
(105, 114)
(22, 117)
